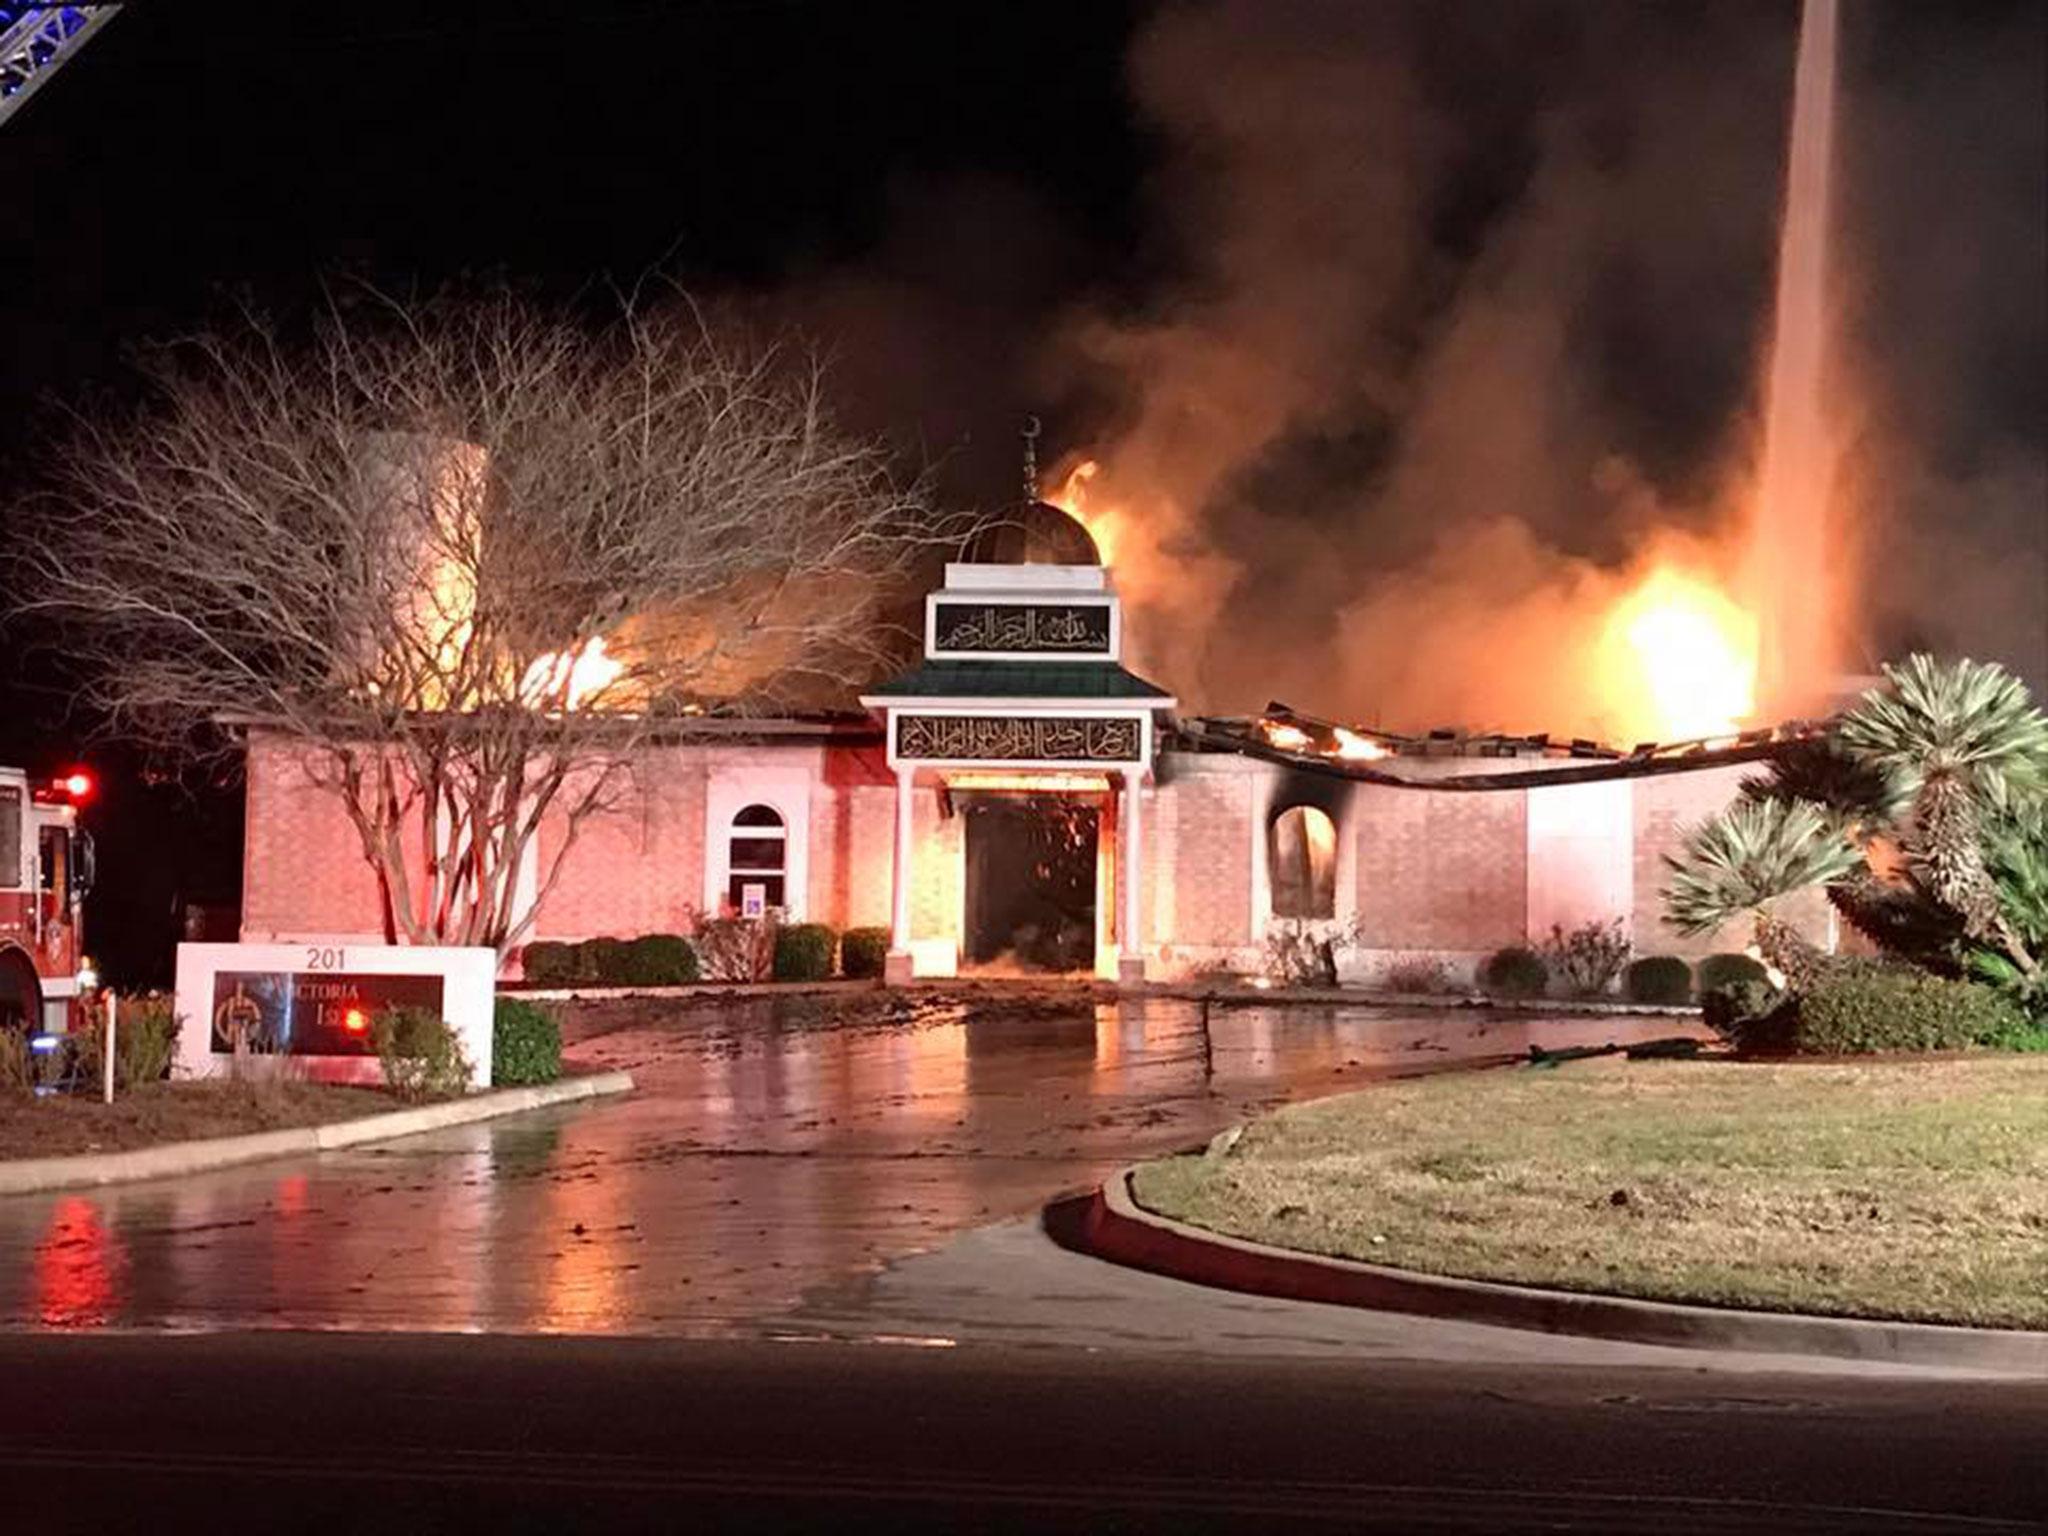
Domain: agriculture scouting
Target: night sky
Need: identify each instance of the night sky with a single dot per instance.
(758, 150)
(984, 210)
(196, 154)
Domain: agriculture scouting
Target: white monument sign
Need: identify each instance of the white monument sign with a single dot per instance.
(314, 1003)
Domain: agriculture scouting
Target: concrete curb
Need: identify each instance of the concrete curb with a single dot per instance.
(26, 1176)
(1365, 997)
(1117, 1228)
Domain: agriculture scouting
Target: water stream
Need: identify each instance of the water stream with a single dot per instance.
(1790, 565)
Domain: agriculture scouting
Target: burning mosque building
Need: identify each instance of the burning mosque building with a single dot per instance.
(1024, 798)
(1021, 800)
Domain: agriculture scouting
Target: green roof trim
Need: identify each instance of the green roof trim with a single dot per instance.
(1018, 680)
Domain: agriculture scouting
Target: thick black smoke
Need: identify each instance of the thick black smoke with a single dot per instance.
(1452, 314)
(1473, 316)
(1945, 221)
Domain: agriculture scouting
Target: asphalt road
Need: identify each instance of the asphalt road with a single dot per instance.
(798, 1282)
(381, 1433)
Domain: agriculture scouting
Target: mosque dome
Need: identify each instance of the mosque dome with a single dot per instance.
(1031, 533)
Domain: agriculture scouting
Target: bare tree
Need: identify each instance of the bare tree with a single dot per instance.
(470, 556)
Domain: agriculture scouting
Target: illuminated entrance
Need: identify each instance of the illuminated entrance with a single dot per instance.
(1026, 730)
(1031, 882)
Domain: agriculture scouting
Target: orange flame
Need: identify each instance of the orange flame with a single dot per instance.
(1658, 652)
(1102, 523)
(1677, 657)
(570, 679)
(1356, 747)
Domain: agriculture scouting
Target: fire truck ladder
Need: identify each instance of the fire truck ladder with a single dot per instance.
(36, 38)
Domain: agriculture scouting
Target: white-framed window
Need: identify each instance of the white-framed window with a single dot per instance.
(757, 854)
(757, 823)
(1301, 860)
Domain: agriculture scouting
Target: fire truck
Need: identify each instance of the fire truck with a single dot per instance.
(46, 867)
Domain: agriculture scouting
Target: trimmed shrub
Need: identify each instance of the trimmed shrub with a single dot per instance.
(549, 963)
(862, 951)
(1417, 975)
(1858, 1006)
(526, 1043)
(1587, 958)
(804, 951)
(658, 960)
(1723, 970)
(1735, 1009)
(1658, 979)
(735, 949)
(602, 961)
(1516, 971)
(420, 1054)
(2024, 1034)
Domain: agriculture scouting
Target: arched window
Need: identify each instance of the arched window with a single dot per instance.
(1302, 860)
(757, 854)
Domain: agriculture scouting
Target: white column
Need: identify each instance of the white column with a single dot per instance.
(897, 968)
(1130, 962)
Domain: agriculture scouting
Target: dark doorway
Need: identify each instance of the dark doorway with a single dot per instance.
(1030, 881)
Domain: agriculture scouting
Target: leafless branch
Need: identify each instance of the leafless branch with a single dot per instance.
(468, 553)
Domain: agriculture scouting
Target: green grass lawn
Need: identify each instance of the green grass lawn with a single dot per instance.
(1898, 1189)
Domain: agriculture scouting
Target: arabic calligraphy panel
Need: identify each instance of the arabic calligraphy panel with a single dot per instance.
(1022, 628)
(1019, 739)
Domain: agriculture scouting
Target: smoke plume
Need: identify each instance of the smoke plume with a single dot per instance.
(1463, 335)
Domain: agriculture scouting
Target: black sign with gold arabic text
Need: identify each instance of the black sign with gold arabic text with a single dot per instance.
(1080, 629)
(1019, 739)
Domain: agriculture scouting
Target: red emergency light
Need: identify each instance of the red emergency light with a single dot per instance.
(74, 788)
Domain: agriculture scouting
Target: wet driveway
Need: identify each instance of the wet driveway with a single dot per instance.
(775, 1149)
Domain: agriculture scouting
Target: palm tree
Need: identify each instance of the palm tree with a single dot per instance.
(1864, 797)
(1746, 859)
(2016, 854)
(1894, 910)
(1962, 738)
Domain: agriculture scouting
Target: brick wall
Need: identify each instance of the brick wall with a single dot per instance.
(636, 865)
(1199, 836)
(853, 839)
(639, 867)
(1447, 873)
(1666, 808)
(1440, 871)
(303, 872)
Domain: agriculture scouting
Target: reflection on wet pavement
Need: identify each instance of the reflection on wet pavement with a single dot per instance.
(773, 1148)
